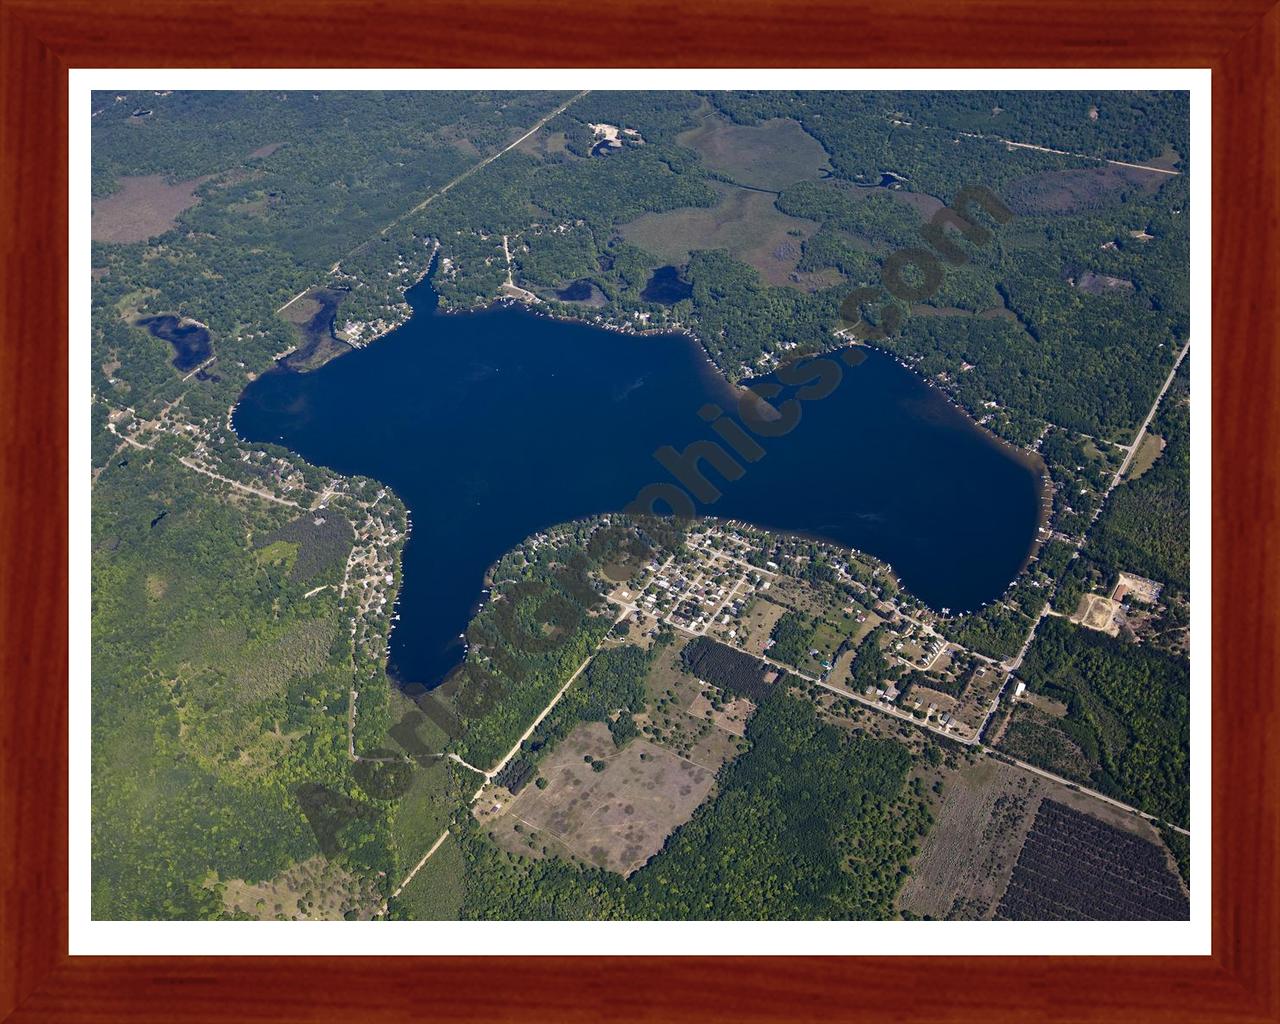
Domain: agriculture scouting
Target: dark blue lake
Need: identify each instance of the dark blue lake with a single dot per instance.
(494, 425)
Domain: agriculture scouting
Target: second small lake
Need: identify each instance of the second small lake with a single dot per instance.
(190, 341)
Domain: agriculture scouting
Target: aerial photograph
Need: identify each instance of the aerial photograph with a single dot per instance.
(640, 505)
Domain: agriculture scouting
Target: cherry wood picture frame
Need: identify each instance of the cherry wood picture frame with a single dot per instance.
(41, 39)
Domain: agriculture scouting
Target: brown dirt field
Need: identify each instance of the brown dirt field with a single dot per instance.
(615, 819)
(1141, 588)
(262, 152)
(1098, 612)
(141, 208)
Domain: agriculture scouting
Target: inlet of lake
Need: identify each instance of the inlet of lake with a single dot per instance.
(494, 425)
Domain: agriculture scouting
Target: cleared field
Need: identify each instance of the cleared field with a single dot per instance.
(843, 668)
(1098, 612)
(682, 717)
(772, 154)
(1145, 457)
(977, 699)
(968, 855)
(820, 602)
(141, 208)
(1051, 707)
(828, 637)
(935, 701)
(544, 143)
(1138, 587)
(743, 222)
(758, 621)
(987, 811)
(666, 674)
(314, 890)
(615, 818)
(732, 717)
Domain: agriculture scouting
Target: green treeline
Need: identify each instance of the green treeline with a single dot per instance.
(1128, 712)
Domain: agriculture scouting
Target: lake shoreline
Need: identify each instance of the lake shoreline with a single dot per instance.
(471, 418)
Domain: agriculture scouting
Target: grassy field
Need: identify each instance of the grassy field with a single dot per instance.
(772, 154)
(677, 714)
(758, 621)
(544, 143)
(1145, 457)
(745, 223)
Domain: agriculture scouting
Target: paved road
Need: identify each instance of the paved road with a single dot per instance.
(1083, 789)
(1137, 439)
